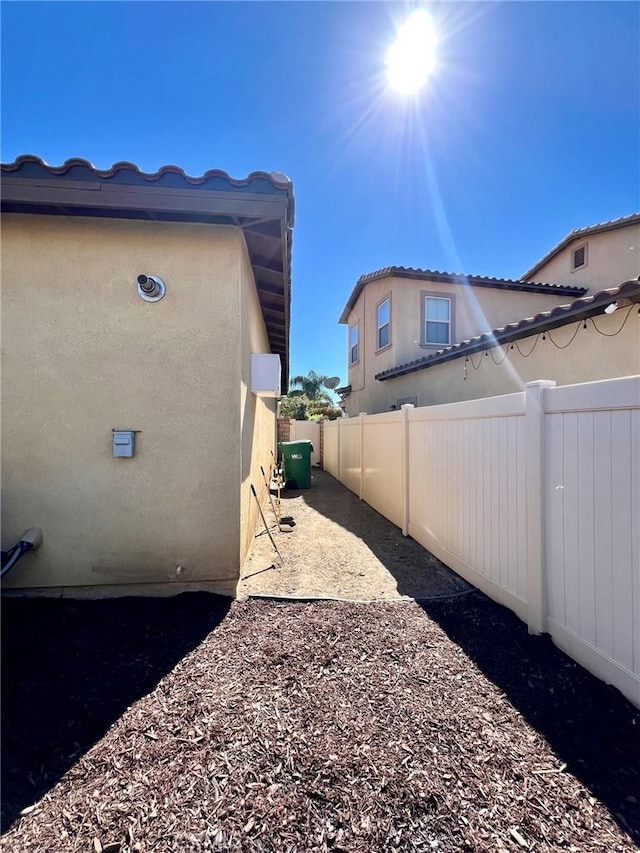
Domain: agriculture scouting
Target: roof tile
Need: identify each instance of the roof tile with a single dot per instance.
(84, 169)
(455, 278)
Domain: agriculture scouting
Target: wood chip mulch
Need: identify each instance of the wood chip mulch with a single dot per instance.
(324, 726)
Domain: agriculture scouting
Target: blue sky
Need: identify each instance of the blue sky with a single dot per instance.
(528, 128)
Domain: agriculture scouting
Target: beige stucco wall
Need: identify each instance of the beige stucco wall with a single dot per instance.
(82, 354)
(475, 310)
(612, 257)
(590, 357)
(258, 414)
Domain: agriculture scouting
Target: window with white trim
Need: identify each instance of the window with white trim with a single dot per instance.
(384, 323)
(353, 344)
(437, 320)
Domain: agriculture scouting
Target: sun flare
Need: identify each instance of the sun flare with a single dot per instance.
(412, 56)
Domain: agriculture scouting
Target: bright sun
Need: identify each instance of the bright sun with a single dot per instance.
(411, 57)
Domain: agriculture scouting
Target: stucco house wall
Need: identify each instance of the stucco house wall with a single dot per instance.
(257, 413)
(612, 257)
(83, 354)
(589, 357)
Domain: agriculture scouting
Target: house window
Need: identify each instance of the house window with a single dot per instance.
(353, 344)
(437, 320)
(384, 323)
(579, 257)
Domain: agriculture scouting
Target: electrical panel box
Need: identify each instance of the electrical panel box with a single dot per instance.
(265, 374)
(124, 443)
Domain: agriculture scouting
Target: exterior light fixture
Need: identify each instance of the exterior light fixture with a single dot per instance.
(622, 302)
(150, 288)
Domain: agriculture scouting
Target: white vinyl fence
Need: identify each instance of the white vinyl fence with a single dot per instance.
(301, 430)
(533, 497)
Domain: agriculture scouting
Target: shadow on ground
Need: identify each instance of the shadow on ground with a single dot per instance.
(406, 560)
(71, 668)
(589, 725)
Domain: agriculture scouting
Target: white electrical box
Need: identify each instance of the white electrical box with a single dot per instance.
(265, 374)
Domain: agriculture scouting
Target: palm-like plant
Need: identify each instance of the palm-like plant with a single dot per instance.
(310, 386)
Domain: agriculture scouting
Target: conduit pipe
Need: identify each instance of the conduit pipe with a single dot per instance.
(29, 541)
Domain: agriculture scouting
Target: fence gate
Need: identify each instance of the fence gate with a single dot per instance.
(302, 430)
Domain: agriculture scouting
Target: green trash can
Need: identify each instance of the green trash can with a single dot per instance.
(296, 456)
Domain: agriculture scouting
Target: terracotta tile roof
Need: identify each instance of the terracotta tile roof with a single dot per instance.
(76, 168)
(578, 233)
(561, 315)
(453, 278)
(261, 205)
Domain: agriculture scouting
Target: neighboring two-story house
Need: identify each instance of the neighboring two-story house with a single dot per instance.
(425, 337)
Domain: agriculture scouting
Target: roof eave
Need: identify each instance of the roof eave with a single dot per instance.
(101, 195)
(454, 279)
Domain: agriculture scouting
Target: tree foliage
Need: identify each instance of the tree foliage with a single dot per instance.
(301, 408)
(308, 399)
(294, 408)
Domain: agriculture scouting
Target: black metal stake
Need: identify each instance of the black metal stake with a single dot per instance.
(253, 492)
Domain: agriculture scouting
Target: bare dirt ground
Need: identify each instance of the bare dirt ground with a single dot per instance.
(198, 724)
(340, 548)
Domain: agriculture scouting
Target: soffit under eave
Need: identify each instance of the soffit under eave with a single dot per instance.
(270, 259)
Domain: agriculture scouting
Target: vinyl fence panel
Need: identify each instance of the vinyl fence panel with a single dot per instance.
(592, 479)
(302, 430)
(383, 482)
(467, 492)
(533, 497)
(331, 460)
(350, 463)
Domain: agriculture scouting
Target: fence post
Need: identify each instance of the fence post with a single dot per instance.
(404, 410)
(534, 441)
(361, 417)
(338, 462)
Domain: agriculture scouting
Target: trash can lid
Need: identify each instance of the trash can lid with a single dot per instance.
(303, 446)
